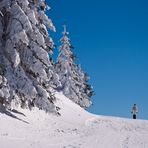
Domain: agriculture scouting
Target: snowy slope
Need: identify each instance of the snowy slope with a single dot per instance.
(75, 128)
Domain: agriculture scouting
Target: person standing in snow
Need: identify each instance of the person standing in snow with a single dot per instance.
(134, 111)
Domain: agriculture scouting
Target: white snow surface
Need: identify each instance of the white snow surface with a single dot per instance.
(75, 128)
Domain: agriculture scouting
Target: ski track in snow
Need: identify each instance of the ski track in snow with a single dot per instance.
(75, 128)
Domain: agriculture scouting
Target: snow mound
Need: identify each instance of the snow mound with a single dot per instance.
(75, 128)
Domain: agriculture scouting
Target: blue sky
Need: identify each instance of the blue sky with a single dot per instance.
(111, 41)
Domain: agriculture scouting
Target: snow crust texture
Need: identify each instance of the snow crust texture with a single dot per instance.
(75, 128)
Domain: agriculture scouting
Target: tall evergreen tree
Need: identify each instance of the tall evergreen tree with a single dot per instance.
(24, 46)
(73, 79)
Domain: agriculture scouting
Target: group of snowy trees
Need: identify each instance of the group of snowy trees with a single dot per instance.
(27, 74)
(72, 78)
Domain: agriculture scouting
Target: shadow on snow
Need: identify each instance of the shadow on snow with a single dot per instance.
(10, 114)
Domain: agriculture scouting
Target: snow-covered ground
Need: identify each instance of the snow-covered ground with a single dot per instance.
(75, 128)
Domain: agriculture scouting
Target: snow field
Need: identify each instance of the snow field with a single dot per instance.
(75, 128)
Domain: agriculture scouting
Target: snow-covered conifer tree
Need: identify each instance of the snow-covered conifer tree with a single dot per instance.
(25, 66)
(73, 79)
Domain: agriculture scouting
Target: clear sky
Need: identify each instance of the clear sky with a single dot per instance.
(111, 41)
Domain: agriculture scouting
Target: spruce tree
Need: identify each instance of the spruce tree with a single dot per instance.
(24, 45)
(73, 79)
